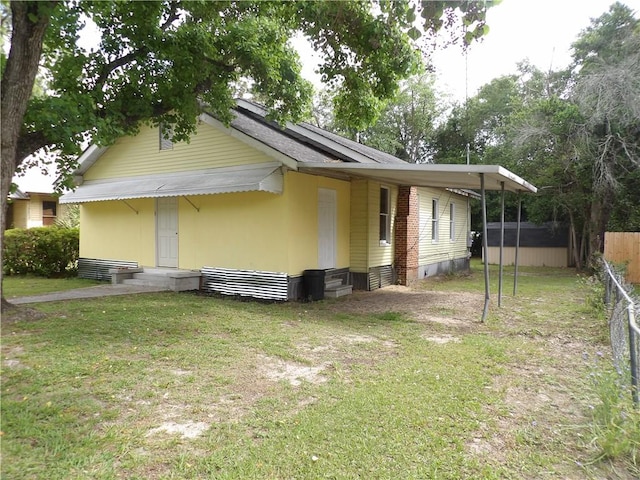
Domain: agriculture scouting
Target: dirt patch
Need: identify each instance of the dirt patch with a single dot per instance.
(441, 339)
(275, 369)
(14, 313)
(459, 309)
(185, 430)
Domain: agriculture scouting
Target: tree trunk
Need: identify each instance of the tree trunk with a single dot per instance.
(29, 22)
(575, 250)
(598, 221)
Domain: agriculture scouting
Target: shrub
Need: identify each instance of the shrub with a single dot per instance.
(43, 251)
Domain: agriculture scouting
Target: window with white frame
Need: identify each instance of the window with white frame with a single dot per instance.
(452, 222)
(434, 220)
(166, 137)
(385, 216)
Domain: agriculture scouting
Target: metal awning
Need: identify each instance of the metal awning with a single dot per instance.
(266, 177)
(426, 175)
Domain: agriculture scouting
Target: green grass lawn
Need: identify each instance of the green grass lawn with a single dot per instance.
(26, 285)
(179, 386)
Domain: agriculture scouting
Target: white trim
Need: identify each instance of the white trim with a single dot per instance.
(435, 220)
(452, 222)
(327, 224)
(426, 175)
(387, 227)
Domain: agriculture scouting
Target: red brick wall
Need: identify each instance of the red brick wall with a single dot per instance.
(406, 234)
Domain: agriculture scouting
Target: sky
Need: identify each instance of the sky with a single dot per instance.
(539, 30)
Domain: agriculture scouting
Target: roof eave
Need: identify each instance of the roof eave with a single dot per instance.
(429, 175)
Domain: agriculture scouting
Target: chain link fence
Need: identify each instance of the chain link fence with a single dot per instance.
(622, 306)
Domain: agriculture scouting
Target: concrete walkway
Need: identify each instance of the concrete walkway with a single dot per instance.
(87, 292)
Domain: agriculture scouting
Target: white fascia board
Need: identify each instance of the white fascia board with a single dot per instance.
(88, 158)
(430, 175)
(252, 142)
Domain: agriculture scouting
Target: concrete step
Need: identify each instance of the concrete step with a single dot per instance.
(332, 283)
(170, 279)
(150, 277)
(164, 283)
(338, 291)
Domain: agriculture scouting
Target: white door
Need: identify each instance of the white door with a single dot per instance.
(167, 231)
(327, 228)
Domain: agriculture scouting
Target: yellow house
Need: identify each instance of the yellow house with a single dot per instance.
(257, 210)
(33, 209)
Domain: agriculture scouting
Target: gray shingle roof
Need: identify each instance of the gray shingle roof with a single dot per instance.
(329, 146)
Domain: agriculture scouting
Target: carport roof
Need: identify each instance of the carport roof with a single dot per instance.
(425, 175)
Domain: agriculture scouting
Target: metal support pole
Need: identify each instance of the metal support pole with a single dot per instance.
(515, 272)
(501, 244)
(485, 249)
(633, 354)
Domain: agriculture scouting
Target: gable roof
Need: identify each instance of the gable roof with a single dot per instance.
(310, 149)
(338, 148)
(19, 195)
(340, 157)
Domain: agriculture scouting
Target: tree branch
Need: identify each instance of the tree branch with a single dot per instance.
(118, 62)
(172, 17)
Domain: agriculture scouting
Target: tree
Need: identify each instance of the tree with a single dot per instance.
(607, 90)
(575, 133)
(406, 126)
(584, 148)
(161, 61)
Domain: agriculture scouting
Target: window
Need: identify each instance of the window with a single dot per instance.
(166, 137)
(385, 217)
(49, 213)
(434, 220)
(452, 222)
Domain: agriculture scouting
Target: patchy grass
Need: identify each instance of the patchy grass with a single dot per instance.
(26, 285)
(399, 383)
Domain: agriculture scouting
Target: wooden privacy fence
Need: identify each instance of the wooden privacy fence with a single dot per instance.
(624, 247)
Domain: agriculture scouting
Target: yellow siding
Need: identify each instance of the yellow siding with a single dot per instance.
(141, 155)
(380, 254)
(113, 231)
(444, 249)
(366, 251)
(530, 256)
(28, 213)
(233, 230)
(20, 213)
(359, 226)
(249, 230)
(301, 194)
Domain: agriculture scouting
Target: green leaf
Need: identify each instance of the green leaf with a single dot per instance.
(414, 33)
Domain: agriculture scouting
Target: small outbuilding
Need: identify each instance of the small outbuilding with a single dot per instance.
(33, 209)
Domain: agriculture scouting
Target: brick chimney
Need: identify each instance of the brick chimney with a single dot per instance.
(407, 230)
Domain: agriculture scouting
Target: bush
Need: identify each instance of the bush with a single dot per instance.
(43, 251)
